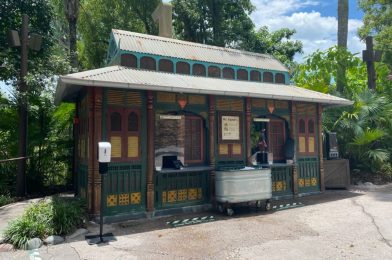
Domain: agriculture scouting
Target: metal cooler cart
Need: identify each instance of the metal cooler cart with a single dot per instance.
(244, 185)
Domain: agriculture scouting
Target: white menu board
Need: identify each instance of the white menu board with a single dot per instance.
(230, 128)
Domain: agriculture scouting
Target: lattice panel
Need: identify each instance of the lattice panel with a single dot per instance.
(182, 195)
(133, 146)
(111, 200)
(172, 196)
(116, 146)
(258, 103)
(123, 199)
(115, 97)
(164, 97)
(282, 104)
(192, 194)
(136, 198)
(199, 193)
(237, 149)
(196, 99)
(223, 149)
(134, 99)
(230, 104)
(164, 197)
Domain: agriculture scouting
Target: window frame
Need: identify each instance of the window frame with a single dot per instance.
(202, 140)
(124, 133)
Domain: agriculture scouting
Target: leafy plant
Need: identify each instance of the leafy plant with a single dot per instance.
(57, 216)
(5, 199)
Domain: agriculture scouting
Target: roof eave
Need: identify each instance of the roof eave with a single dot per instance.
(71, 81)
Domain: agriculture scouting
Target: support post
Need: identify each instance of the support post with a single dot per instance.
(248, 128)
(320, 146)
(293, 135)
(150, 151)
(211, 126)
(22, 146)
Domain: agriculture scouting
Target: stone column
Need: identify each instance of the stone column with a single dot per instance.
(320, 145)
(150, 151)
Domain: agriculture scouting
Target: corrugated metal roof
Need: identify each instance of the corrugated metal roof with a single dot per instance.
(128, 78)
(144, 43)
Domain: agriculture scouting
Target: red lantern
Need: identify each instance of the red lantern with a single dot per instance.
(182, 101)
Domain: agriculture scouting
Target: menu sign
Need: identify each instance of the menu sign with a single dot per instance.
(231, 128)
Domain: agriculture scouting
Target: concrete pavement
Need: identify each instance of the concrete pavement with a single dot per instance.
(353, 224)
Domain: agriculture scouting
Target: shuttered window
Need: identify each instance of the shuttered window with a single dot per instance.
(268, 77)
(277, 137)
(124, 133)
(148, 63)
(279, 78)
(306, 136)
(194, 151)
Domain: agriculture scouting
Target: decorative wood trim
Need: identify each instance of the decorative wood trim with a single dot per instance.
(320, 146)
(248, 118)
(90, 157)
(150, 151)
(293, 134)
(212, 142)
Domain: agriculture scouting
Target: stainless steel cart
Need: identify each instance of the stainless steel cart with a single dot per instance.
(244, 185)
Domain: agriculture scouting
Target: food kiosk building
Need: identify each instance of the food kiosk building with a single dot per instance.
(160, 100)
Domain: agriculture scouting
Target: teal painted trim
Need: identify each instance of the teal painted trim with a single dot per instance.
(143, 111)
(205, 64)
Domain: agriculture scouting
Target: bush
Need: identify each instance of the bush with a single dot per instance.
(5, 199)
(57, 216)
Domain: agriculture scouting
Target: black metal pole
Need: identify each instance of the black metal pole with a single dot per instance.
(101, 209)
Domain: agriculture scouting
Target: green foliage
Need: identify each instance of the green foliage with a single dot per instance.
(377, 21)
(277, 43)
(5, 199)
(364, 129)
(219, 23)
(58, 216)
(98, 17)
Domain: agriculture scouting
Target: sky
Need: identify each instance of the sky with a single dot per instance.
(315, 23)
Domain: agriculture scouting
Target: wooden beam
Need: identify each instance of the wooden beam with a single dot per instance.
(150, 151)
(293, 135)
(211, 126)
(248, 119)
(320, 146)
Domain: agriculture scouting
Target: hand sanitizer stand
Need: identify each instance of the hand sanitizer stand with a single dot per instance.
(104, 155)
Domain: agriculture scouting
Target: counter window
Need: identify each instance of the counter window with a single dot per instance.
(179, 137)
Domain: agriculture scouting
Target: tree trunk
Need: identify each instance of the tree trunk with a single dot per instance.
(342, 43)
(72, 13)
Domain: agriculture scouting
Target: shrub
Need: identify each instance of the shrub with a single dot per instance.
(57, 216)
(5, 199)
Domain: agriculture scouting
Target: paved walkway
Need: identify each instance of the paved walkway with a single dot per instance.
(354, 224)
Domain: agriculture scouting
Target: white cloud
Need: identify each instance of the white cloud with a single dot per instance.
(312, 29)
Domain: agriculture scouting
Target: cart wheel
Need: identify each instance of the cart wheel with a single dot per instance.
(221, 209)
(258, 204)
(229, 212)
(267, 205)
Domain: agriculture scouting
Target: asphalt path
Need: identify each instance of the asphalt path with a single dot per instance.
(338, 224)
